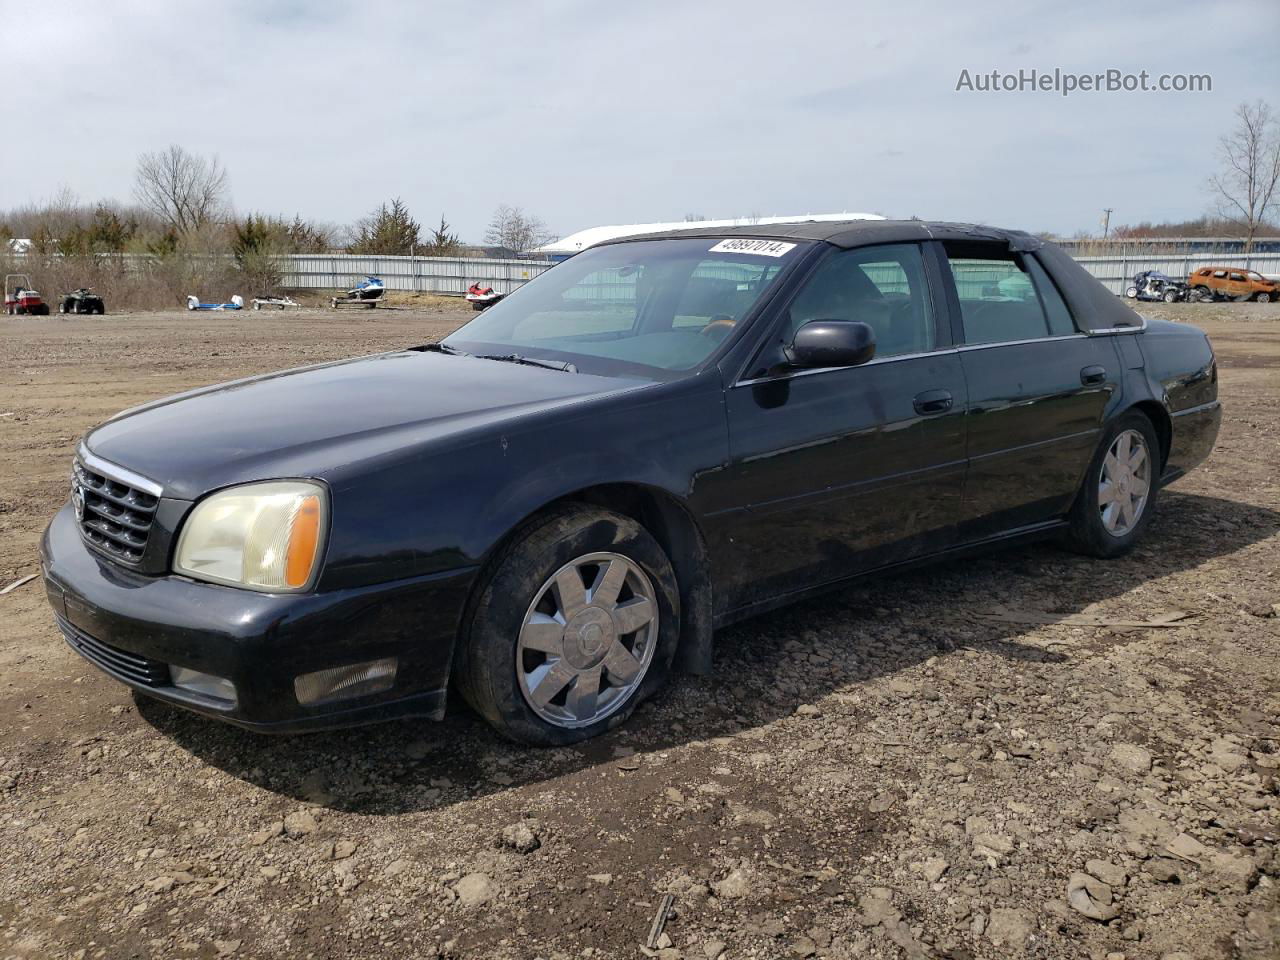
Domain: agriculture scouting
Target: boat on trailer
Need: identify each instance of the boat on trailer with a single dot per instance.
(368, 293)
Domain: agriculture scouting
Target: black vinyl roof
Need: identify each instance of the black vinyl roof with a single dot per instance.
(855, 233)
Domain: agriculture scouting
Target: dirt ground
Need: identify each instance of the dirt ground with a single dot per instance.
(983, 759)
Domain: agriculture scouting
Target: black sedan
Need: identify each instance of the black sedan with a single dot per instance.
(557, 505)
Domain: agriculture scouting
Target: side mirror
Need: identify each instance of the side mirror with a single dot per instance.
(832, 343)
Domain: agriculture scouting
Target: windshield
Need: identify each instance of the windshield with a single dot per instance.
(652, 308)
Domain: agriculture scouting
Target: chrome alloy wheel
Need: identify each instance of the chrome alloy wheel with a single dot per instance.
(1124, 483)
(587, 640)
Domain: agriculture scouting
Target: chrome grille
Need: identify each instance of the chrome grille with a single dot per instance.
(114, 516)
(119, 663)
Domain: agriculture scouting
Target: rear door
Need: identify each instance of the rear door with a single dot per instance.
(1038, 389)
(840, 470)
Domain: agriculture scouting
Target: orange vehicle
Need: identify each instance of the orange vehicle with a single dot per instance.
(1235, 283)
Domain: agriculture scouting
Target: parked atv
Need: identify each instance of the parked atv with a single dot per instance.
(19, 298)
(82, 300)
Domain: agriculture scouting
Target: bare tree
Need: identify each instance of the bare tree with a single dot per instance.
(184, 189)
(516, 230)
(1246, 187)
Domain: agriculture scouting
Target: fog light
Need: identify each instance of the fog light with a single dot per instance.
(343, 683)
(219, 688)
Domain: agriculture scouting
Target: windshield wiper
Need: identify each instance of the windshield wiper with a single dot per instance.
(441, 348)
(563, 365)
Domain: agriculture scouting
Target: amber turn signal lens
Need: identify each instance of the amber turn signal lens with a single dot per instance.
(303, 537)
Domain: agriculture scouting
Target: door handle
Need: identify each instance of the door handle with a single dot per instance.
(933, 401)
(1091, 376)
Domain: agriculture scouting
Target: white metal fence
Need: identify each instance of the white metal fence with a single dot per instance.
(452, 275)
(449, 275)
(1116, 272)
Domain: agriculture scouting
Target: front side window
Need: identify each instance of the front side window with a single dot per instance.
(652, 308)
(883, 286)
(998, 297)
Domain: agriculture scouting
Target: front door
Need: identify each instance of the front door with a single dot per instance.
(841, 470)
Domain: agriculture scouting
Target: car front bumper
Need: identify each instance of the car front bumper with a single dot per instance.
(136, 627)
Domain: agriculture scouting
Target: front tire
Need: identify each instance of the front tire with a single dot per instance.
(573, 624)
(1264, 297)
(1118, 496)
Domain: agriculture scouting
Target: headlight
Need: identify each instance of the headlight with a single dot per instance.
(264, 536)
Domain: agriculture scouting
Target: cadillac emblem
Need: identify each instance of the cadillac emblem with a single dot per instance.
(77, 498)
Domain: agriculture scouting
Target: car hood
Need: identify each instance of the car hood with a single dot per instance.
(325, 421)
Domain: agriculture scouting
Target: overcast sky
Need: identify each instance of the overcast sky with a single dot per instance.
(588, 113)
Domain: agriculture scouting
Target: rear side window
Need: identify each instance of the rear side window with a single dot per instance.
(1005, 296)
(998, 301)
(1061, 323)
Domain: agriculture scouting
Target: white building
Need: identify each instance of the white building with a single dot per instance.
(577, 242)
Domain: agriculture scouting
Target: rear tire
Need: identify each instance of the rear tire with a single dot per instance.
(1095, 531)
(589, 681)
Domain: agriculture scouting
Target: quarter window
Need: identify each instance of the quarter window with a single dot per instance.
(1061, 323)
(882, 286)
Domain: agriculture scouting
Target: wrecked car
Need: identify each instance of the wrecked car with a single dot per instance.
(1154, 285)
(560, 503)
(1234, 283)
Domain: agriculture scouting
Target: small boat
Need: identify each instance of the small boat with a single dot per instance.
(370, 288)
(367, 293)
(480, 296)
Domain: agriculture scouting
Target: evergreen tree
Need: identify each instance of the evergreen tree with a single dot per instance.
(388, 231)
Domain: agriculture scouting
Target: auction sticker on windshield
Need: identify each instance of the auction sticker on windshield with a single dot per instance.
(761, 248)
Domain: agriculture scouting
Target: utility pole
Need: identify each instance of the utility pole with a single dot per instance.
(1106, 221)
